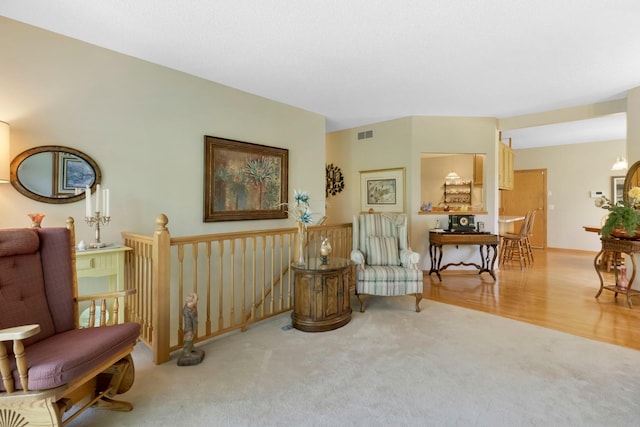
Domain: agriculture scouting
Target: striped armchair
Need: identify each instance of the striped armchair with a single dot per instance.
(385, 264)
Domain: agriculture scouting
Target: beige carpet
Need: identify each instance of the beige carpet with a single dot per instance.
(445, 366)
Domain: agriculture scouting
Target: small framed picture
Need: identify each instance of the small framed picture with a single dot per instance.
(382, 190)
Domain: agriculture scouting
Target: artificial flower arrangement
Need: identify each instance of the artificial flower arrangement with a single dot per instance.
(299, 209)
(622, 214)
(301, 213)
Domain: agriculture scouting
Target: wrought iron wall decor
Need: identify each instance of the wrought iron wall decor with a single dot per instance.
(335, 180)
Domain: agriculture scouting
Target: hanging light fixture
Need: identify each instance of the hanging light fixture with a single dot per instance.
(620, 164)
(4, 152)
(452, 176)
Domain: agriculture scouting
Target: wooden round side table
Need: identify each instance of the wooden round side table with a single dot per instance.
(321, 299)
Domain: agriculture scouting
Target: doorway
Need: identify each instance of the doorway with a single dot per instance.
(529, 192)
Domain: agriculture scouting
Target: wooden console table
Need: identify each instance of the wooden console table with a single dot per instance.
(321, 298)
(487, 242)
(618, 246)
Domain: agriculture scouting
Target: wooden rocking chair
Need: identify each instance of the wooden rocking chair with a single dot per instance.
(52, 370)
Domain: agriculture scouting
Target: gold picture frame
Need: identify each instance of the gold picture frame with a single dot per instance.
(382, 190)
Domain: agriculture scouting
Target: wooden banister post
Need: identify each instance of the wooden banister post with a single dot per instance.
(72, 230)
(161, 283)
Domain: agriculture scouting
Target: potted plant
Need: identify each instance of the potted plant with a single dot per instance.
(623, 219)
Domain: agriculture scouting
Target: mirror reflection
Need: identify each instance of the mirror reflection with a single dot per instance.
(452, 181)
(54, 174)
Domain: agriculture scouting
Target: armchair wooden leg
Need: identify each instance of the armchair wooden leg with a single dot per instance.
(361, 303)
(418, 299)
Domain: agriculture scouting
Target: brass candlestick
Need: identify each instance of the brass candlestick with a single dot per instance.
(96, 221)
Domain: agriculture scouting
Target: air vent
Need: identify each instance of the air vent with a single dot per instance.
(365, 135)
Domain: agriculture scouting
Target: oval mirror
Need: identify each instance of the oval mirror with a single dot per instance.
(54, 174)
(632, 179)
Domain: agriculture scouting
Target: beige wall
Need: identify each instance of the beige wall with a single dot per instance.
(573, 171)
(389, 148)
(144, 125)
(399, 143)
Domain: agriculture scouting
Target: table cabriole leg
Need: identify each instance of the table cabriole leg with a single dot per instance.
(631, 279)
(595, 265)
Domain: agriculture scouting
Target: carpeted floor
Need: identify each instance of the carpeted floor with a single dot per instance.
(390, 366)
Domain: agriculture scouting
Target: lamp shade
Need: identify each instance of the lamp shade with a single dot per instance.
(620, 164)
(4, 152)
(452, 176)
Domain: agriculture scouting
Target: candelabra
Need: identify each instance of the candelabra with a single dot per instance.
(97, 221)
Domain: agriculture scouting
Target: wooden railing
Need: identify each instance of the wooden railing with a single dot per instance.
(240, 278)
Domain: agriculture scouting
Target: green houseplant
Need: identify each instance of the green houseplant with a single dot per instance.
(623, 215)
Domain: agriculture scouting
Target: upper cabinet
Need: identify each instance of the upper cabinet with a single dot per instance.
(505, 166)
(478, 170)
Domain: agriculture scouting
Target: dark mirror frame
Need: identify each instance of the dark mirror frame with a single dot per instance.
(632, 179)
(17, 161)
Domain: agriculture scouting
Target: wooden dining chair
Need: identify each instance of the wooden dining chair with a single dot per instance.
(527, 237)
(514, 245)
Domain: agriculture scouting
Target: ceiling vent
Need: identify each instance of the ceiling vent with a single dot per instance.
(365, 135)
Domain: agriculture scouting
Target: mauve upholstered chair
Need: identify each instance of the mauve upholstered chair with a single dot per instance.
(51, 369)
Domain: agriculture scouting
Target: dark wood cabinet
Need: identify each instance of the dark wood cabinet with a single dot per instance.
(321, 299)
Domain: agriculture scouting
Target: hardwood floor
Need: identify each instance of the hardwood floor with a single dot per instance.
(557, 292)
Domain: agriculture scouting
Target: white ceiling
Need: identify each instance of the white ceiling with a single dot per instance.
(606, 128)
(358, 62)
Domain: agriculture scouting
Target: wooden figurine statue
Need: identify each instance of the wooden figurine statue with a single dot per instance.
(190, 356)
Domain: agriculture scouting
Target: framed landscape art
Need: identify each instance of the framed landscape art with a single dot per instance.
(382, 190)
(244, 181)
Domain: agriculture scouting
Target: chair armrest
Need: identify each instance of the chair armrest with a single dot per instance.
(357, 257)
(19, 332)
(408, 258)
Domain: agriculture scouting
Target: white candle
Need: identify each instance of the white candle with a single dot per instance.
(87, 197)
(98, 198)
(106, 202)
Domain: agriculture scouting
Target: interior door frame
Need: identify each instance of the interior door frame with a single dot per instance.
(541, 215)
